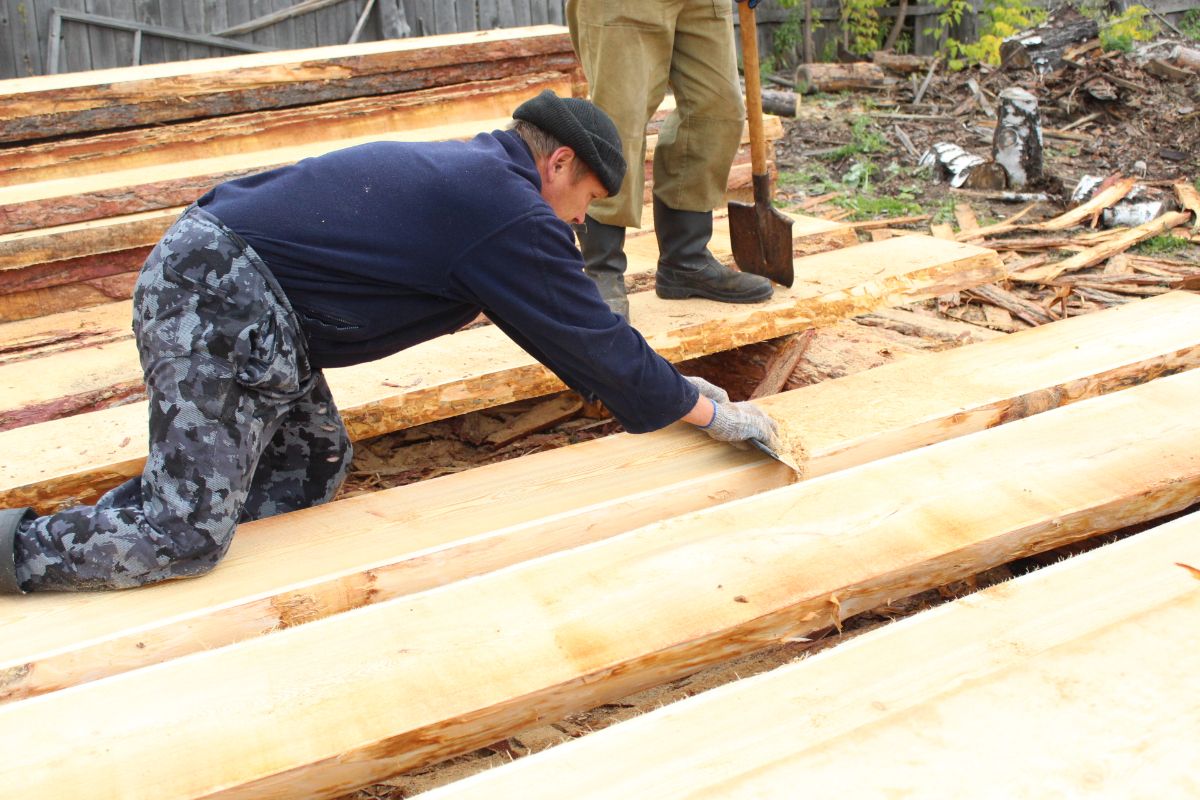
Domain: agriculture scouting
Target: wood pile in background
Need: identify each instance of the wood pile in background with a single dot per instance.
(577, 628)
(80, 212)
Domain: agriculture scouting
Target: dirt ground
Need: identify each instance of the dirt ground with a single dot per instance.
(848, 144)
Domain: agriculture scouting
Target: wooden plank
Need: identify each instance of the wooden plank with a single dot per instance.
(118, 185)
(77, 381)
(31, 338)
(61, 257)
(334, 704)
(72, 330)
(55, 105)
(67, 298)
(264, 130)
(481, 368)
(1105, 682)
(36, 251)
(287, 570)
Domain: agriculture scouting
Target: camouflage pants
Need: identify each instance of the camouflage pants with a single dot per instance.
(240, 426)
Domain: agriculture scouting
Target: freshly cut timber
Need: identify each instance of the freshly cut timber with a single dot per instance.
(110, 99)
(77, 458)
(288, 570)
(461, 114)
(321, 708)
(109, 374)
(100, 324)
(49, 269)
(365, 118)
(1082, 673)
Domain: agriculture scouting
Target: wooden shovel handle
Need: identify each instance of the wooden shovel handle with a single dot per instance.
(754, 116)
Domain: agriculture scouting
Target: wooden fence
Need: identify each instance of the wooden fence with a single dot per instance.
(43, 36)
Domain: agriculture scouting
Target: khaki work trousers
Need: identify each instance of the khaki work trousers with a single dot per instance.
(631, 51)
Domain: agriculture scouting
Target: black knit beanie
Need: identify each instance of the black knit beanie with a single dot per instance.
(584, 128)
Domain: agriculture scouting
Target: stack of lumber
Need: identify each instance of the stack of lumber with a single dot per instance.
(425, 621)
(74, 458)
(131, 147)
(1074, 681)
(422, 622)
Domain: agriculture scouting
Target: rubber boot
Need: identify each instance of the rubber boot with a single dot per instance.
(10, 519)
(686, 268)
(604, 261)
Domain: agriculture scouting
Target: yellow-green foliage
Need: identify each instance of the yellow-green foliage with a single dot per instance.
(862, 25)
(998, 20)
(1120, 32)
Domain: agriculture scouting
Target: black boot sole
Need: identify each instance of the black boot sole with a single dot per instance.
(685, 292)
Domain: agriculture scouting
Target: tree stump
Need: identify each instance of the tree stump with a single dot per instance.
(1017, 145)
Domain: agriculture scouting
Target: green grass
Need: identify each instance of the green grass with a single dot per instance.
(1163, 244)
(1190, 25)
(869, 206)
(864, 138)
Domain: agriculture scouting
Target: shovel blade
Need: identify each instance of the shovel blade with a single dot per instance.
(761, 238)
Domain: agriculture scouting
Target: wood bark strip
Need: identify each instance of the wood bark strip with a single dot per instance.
(1029, 638)
(331, 705)
(76, 457)
(1097, 254)
(73, 103)
(287, 570)
(1189, 198)
(1017, 306)
(1102, 200)
(540, 417)
(781, 365)
(936, 328)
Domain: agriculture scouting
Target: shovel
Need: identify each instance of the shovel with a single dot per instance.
(761, 236)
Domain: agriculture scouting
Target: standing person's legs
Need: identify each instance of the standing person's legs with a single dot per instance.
(223, 362)
(695, 150)
(625, 49)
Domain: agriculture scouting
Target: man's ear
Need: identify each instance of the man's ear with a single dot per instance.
(561, 161)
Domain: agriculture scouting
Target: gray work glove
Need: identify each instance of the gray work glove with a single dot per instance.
(709, 390)
(737, 422)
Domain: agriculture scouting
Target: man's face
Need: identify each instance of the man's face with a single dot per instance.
(567, 192)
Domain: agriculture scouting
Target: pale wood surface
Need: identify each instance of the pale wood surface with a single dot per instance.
(71, 459)
(315, 128)
(69, 378)
(573, 630)
(1074, 681)
(138, 96)
(288, 570)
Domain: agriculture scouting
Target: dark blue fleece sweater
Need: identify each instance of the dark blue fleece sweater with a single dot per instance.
(385, 245)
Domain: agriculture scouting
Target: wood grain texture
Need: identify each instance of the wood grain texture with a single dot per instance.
(288, 570)
(481, 368)
(238, 134)
(1081, 674)
(47, 385)
(570, 631)
(56, 105)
